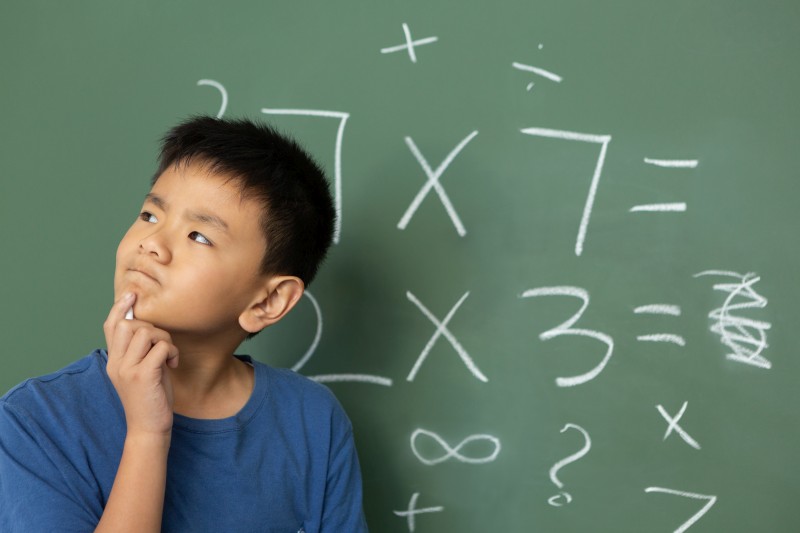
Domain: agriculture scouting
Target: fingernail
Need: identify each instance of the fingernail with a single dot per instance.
(128, 296)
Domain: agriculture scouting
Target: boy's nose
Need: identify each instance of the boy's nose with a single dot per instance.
(155, 245)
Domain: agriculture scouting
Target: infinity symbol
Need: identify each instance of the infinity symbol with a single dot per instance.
(453, 453)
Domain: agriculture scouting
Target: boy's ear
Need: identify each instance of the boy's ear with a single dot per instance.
(279, 296)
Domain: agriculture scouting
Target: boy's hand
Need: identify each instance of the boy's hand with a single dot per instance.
(138, 356)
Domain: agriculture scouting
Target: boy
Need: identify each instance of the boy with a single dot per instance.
(167, 430)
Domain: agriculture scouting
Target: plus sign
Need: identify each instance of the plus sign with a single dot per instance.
(409, 44)
(413, 511)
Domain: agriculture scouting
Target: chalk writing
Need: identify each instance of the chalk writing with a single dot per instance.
(735, 331)
(433, 182)
(330, 378)
(555, 500)
(412, 511)
(672, 207)
(538, 71)
(431, 448)
(695, 517)
(673, 425)
(566, 329)
(677, 207)
(451, 452)
(218, 86)
(603, 141)
(672, 163)
(317, 334)
(358, 378)
(662, 337)
(409, 45)
(658, 309)
(441, 329)
(337, 173)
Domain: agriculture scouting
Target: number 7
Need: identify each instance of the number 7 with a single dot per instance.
(695, 517)
(342, 118)
(603, 141)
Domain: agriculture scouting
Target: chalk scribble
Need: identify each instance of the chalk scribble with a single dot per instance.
(745, 336)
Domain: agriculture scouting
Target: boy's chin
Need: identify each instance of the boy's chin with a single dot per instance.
(149, 318)
(174, 329)
(143, 313)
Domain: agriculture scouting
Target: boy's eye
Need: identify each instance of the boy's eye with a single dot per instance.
(148, 217)
(199, 237)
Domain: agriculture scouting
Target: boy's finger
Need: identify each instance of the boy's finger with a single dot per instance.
(163, 352)
(159, 354)
(118, 311)
(172, 358)
(121, 337)
(144, 338)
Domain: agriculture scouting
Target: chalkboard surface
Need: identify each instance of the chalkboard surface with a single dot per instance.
(566, 274)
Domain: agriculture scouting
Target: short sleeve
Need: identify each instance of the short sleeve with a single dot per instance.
(34, 490)
(343, 507)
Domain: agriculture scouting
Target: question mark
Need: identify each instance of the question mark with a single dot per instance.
(554, 500)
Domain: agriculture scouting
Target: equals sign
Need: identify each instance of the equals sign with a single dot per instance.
(660, 309)
(673, 207)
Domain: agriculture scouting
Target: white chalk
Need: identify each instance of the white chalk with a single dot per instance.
(129, 314)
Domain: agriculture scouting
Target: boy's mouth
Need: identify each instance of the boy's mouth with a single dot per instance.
(144, 273)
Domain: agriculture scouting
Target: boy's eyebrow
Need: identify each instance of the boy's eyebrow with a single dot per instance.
(207, 218)
(157, 200)
(197, 216)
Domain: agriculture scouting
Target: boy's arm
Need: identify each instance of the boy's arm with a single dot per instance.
(136, 502)
(138, 356)
(39, 490)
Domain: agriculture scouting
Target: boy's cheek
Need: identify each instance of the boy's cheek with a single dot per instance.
(124, 244)
(119, 266)
(119, 287)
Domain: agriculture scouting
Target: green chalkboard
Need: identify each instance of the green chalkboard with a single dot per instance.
(565, 280)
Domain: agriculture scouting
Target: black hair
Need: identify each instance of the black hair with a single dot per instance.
(297, 216)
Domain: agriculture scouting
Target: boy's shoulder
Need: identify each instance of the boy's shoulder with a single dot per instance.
(289, 383)
(60, 385)
(79, 370)
(288, 389)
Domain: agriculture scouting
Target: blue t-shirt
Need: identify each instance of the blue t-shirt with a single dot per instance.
(285, 463)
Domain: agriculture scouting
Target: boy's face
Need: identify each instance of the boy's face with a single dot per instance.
(193, 255)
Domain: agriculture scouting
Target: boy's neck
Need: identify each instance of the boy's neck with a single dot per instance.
(209, 382)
